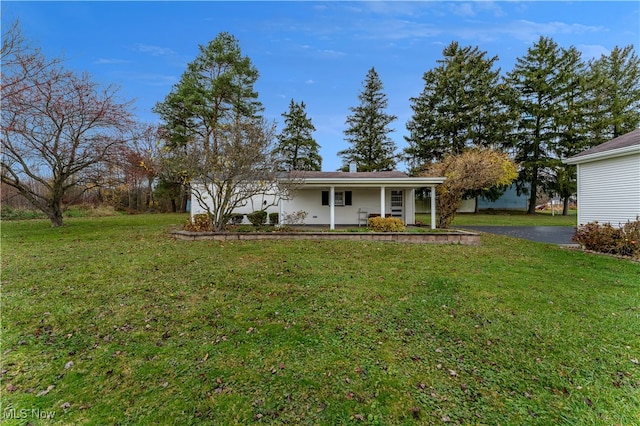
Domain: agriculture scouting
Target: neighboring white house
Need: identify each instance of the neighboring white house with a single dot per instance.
(609, 181)
(349, 198)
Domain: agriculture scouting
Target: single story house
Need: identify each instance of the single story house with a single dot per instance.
(349, 198)
(609, 181)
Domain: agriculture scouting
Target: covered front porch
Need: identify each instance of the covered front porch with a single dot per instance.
(341, 198)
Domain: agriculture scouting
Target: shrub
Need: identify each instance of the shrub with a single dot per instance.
(200, 223)
(236, 218)
(9, 213)
(295, 218)
(631, 238)
(258, 218)
(386, 224)
(273, 218)
(604, 238)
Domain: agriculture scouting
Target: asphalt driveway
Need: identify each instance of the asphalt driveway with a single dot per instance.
(543, 234)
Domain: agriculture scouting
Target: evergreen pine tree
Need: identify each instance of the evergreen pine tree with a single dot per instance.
(615, 94)
(296, 143)
(572, 124)
(536, 78)
(368, 133)
(460, 107)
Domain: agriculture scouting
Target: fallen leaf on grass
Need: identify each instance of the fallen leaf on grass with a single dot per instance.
(415, 412)
(65, 405)
(44, 392)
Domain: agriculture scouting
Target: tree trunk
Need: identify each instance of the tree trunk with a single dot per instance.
(55, 214)
(534, 192)
(565, 206)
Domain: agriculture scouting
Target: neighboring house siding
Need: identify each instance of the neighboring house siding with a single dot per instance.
(510, 200)
(609, 190)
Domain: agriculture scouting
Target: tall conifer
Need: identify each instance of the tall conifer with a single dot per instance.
(296, 143)
(368, 133)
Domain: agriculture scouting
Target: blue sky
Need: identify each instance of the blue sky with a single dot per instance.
(316, 52)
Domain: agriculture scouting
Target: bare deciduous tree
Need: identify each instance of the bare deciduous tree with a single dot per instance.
(244, 169)
(57, 127)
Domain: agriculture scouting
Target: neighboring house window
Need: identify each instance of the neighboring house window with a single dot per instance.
(340, 198)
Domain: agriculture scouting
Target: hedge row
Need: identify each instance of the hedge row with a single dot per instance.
(604, 238)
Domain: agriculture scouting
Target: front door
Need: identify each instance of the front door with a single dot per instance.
(397, 204)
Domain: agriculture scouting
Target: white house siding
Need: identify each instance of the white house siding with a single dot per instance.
(253, 204)
(310, 201)
(609, 190)
(363, 199)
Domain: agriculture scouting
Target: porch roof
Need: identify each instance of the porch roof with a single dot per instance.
(365, 179)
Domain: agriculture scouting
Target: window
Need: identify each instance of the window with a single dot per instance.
(396, 198)
(325, 198)
(340, 198)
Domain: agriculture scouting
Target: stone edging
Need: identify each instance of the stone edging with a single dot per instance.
(453, 237)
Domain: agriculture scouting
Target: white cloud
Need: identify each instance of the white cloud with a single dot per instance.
(154, 50)
(522, 30)
(592, 51)
(398, 29)
(331, 53)
(310, 82)
(530, 31)
(151, 79)
(111, 61)
(462, 9)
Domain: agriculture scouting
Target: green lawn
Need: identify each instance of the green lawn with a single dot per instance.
(110, 321)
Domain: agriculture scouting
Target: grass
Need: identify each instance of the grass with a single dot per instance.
(109, 321)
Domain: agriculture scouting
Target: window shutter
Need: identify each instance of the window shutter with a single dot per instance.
(347, 198)
(325, 198)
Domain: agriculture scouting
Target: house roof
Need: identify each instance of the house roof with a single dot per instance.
(622, 145)
(365, 179)
(352, 175)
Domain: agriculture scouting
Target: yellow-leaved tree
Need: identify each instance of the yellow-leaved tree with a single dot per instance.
(472, 170)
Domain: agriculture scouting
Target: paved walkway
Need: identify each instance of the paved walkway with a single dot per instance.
(543, 234)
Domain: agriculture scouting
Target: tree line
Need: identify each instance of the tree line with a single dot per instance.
(66, 139)
(550, 106)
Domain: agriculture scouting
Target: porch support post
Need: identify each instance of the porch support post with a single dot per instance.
(410, 206)
(433, 207)
(382, 202)
(332, 208)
